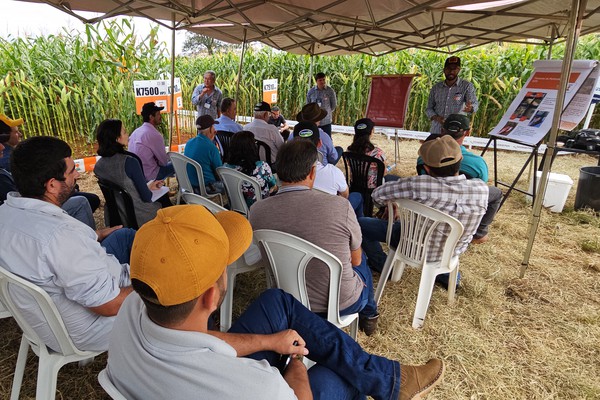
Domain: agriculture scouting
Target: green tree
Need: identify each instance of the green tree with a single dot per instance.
(195, 43)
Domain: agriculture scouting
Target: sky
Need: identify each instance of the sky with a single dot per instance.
(20, 18)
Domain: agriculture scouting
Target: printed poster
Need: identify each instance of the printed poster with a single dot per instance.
(157, 91)
(529, 117)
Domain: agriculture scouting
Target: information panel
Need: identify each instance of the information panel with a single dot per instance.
(157, 91)
(388, 99)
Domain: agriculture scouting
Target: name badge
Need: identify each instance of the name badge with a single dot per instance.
(458, 97)
(207, 104)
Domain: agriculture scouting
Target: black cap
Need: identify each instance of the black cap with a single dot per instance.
(452, 60)
(363, 126)
(262, 106)
(456, 123)
(205, 121)
(150, 109)
(307, 130)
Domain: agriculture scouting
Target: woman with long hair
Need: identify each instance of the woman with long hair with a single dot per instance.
(125, 169)
(243, 157)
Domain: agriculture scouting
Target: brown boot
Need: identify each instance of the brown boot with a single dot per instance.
(417, 381)
(368, 324)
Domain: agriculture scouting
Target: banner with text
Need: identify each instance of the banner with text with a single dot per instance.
(157, 91)
(388, 99)
(529, 117)
(270, 87)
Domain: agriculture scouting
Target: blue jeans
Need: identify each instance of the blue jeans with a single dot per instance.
(119, 244)
(344, 370)
(339, 150)
(365, 305)
(374, 231)
(356, 201)
(79, 208)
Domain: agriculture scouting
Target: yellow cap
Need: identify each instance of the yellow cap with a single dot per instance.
(185, 249)
(11, 122)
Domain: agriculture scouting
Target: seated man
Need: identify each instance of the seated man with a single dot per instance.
(149, 145)
(203, 150)
(161, 346)
(311, 112)
(328, 222)
(265, 132)
(329, 178)
(473, 167)
(227, 119)
(63, 256)
(280, 123)
(443, 188)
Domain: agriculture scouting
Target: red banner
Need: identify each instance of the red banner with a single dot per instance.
(388, 99)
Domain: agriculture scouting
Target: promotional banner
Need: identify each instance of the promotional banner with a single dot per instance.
(529, 117)
(270, 91)
(157, 91)
(388, 99)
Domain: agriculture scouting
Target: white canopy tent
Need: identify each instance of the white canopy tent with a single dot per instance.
(372, 27)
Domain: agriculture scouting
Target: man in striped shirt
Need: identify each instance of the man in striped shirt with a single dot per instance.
(450, 96)
(443, 189)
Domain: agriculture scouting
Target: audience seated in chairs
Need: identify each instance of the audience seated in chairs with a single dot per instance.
(311, 112)
(243, 157)
(325, 220)
(85, 272)
(265, 132)
(124, 169)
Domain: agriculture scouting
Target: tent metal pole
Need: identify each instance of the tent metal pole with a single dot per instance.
(310, 68)
(171, 125)
(239, 77)
(575, 22)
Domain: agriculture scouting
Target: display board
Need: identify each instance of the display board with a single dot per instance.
(270, 91)
(529, 117)
(157, 91)
(388, 99)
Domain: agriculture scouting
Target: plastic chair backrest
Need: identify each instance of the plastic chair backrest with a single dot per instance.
(13, 285)
(289, 256)
(264, 152)
(418, 223)
(193, 198)
(181, 164)
(233, 181)
(225, 140)
(357, 168)
(109, 387)
(119, 204)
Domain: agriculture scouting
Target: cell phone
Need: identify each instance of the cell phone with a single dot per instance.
(284, 360)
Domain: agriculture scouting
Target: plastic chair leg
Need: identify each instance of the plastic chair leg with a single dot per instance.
(19, 369)
(383, 277)
(424, 296)
(354, 329)
(227, 305)
(47, 375)
(398, 271)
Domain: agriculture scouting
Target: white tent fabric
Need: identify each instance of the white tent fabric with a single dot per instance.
(353, 26)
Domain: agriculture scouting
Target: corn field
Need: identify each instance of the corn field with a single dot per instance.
(64, 85)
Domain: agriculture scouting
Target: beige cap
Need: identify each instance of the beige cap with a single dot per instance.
(440, 152)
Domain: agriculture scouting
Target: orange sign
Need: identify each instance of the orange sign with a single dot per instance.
(157, 91)
(549, 80)
(270, 91)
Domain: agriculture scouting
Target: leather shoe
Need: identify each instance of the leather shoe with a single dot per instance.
(417, 381)
(368, 324)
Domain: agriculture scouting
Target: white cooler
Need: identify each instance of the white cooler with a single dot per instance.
(557, 190)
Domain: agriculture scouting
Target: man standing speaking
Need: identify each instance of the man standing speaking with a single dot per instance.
(450, 96)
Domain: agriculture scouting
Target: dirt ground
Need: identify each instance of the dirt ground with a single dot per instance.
(503, 338)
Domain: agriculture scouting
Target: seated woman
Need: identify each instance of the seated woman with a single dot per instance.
(243, 157)
(123, 168)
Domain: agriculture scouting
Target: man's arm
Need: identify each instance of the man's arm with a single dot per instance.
(196, 95)
(356, 257)
(296, 376)
(471, 97)
(157, 146)
(111, 308)
(332, 101)
(284, 342)
(430, 110)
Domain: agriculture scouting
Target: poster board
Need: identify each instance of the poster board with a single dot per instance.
(388, 99)
(270, 87)
(157, 91)
(529, 117)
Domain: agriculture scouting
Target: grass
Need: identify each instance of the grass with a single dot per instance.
(503, 338)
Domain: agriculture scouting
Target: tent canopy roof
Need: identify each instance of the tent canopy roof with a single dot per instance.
(352, 26)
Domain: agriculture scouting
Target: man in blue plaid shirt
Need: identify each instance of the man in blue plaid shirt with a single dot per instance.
(443, 189)
(450, 96)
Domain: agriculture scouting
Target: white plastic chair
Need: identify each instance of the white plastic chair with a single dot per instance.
(289, 256)
(4, 313)
(233, 181)
(418, 222)
(250, 261)
(109, 387)
(180, 163)
(50, 361)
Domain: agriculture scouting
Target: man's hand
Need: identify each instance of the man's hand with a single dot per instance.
(103, 233)
(283, 343)
(468, 107)
(155, 185)
(438, 118)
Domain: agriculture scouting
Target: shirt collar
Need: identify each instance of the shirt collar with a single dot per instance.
(14, 199)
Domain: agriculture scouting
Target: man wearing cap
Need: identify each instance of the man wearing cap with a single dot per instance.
(9, 137)
(313, 113)
(263, 131)
(149, 145)
(207, 97)
(327, 221)
(280, 123)
(443, 188)
(227, 119)
(161, 346)
(85, 272)
(324, 96)
(473, 167)
(203, 150)
(451, 96)
(329, 178)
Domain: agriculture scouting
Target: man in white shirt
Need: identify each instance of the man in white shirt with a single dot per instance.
(85, 272)
(264, 131)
